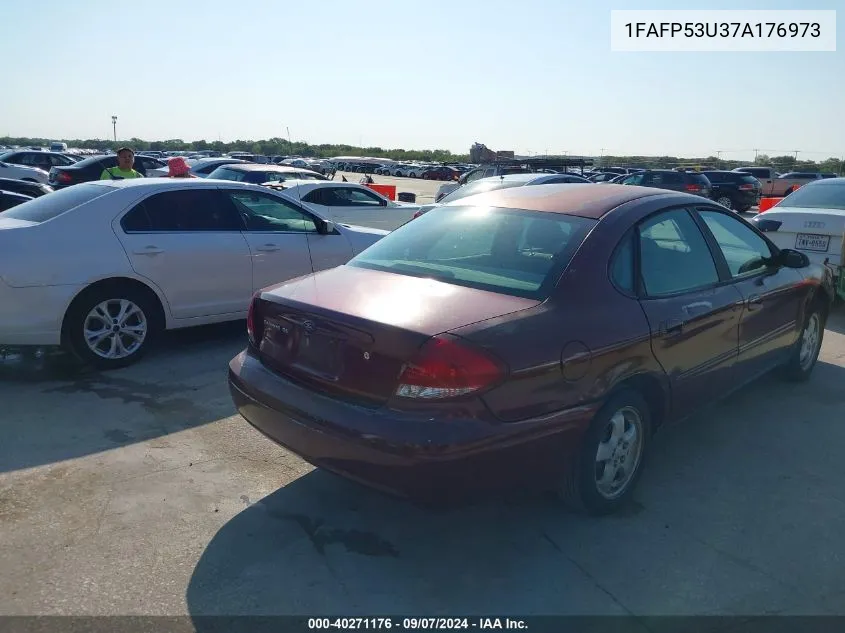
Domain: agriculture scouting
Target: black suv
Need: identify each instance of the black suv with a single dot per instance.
(687, 181)
(734, 189)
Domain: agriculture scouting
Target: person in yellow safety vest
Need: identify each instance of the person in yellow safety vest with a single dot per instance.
(125, 162)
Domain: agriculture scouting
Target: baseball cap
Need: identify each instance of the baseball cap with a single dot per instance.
(125, 149)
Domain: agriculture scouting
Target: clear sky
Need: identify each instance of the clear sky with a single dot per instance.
(526, 75)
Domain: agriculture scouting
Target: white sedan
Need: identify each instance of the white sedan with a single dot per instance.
(22, 172)
(811, 220)
(349, 203)
(104, 266)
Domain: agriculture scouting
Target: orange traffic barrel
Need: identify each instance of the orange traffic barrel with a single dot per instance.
(388, 191)
(768, 203)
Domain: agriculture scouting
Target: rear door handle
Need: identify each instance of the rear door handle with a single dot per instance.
(755, 302)
(267, 248)
(149, 250)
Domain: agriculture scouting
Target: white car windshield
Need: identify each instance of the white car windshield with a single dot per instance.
(828, 195)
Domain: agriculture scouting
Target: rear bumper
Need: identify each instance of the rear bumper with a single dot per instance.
(404, 454)
(33, 315)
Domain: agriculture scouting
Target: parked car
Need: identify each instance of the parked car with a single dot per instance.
(811, 220)
(534, 335)
(31, 189)
(352, 203)
(10, 199)
(734, 190)
(41, 160)
(204, 166)
(604, 176)
(485, 171)
(258, 174)
(20, 172)
(778, 185)
(440, 173)
(687, 181)
(502, 182)
(91, 169)
(102, 267)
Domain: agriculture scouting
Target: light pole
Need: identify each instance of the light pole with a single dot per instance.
(290, 144)
(114, 126)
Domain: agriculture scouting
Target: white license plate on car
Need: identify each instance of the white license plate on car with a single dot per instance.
(811, 242)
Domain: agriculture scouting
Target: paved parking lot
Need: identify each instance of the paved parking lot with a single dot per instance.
(140, 492)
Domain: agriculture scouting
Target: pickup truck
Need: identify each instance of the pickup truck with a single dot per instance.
(777, 185)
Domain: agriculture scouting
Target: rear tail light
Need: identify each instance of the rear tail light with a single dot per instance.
(746, 187)
(767, 226)
(693, 188)
(64, 178)
(417, 214)
(251, 319)
(446, 368)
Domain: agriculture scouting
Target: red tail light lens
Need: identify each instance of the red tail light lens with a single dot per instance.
(416, 215)
(445, 368)
(693, 188)
(746, 187)
(64, 178)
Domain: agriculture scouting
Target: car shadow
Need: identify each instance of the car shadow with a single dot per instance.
(715, 528)
(55, 409)
(836, 320)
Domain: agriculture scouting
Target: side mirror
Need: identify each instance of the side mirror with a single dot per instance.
(790, 258)
(325, 227)
(383, 203)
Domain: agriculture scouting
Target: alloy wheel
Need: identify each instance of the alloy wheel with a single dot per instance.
(115, 329)
(619, 453)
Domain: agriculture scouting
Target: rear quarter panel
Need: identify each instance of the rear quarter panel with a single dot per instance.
(73, 248)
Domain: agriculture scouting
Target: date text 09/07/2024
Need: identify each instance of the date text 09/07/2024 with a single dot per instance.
(417, 624)
(724, 29)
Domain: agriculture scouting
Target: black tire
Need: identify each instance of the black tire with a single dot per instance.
(799, 367)
(148, 313)
(580, 490)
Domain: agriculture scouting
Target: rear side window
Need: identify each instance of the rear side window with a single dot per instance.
(622, 268)
(189, 210)
(699, 179)
(46, 208)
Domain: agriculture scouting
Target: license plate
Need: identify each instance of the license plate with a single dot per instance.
(811, 242)
(320, 354)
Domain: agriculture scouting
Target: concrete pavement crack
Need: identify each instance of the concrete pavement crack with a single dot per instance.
(588, 575)
(167, 470)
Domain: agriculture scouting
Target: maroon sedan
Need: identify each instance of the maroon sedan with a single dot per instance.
(532, 335)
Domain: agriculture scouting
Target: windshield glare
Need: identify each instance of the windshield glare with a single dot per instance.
(826, 196)
(509, 251)
(480, 187)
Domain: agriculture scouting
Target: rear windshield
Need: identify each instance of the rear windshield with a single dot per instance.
(509, 251)
(480, 187)
(826, 196)
(54, 204)
(223, 173)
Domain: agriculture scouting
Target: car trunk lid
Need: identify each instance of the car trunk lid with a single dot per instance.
(816, 232)
(350, 331)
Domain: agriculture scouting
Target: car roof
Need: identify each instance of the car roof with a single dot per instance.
(587, 200)
(259, 167)
(165, 183)
(823, 182)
